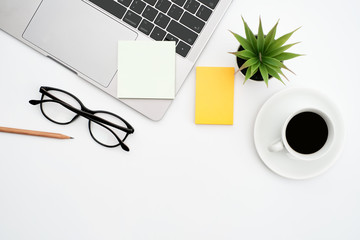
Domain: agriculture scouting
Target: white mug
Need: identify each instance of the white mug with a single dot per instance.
(282, 144)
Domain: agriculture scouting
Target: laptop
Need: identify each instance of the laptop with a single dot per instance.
(82, 35)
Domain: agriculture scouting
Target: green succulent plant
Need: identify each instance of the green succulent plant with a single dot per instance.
(264, 53)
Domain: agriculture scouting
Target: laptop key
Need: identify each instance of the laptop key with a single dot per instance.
(163, 5)
(170, 37)
(162, 20)
(182, 32)
(210, 3)
(192, 22)
(182, 49)
(150, 13)
(151, 2)
(137, 6)
(175, 12)
(146, 27)
(126, 3)
(132, 18)
(192, 5)
(204, 13)
(179, 2)
(111, 6)
(158, 34)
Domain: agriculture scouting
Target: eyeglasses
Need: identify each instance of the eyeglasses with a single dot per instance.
(61, 107)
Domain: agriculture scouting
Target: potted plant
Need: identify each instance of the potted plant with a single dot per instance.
(260, 57)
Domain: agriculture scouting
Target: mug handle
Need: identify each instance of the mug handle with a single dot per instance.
(277, 146)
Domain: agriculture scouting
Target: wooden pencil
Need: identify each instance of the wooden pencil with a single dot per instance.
(34, 133)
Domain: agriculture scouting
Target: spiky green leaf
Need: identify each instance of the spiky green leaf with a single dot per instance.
(277, 51)
(272, 61)
(260, 38)
(248, 74)
(270, 37)
(255, 67)
(248, 63)
(278, 70)
(273, 71)
(250, 36)
(244, 54)
(264, 73)
(285, 67)
(286, 56)
(280, 41)
(282, 74)
(243, 42)
(251, 71)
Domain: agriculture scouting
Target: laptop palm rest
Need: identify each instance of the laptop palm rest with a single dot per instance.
(78, 36)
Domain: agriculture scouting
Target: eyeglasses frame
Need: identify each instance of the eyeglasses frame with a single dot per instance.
(86, 113)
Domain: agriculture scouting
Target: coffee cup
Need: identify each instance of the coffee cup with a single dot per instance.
(306, 135)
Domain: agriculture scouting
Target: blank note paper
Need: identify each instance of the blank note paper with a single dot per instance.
(146, 69)
(214, 103)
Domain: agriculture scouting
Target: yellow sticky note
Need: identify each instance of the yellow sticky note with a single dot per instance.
(214, 103)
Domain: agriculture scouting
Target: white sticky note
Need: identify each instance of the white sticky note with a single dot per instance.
(146, 69)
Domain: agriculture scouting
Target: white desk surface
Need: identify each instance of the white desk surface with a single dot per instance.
(181, 180)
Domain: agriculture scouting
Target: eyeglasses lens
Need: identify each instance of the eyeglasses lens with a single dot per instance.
(57, 112)
(103, 133)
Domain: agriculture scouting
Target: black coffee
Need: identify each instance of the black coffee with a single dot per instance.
(307, 132)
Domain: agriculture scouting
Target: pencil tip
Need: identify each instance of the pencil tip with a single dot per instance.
(71, 138)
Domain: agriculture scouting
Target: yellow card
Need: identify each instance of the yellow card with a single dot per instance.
(214, 103)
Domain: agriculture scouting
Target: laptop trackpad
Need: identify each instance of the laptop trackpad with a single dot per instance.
(79, 36)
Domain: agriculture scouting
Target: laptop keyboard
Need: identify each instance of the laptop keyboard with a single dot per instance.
(164, 20)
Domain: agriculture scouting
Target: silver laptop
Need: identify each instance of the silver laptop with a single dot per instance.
(82, 35)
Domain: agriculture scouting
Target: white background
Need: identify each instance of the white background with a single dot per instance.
(181, 180)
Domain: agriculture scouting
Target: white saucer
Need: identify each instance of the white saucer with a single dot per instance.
(269, 122)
